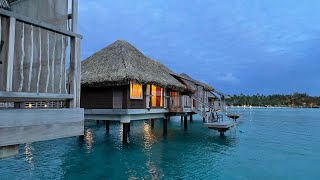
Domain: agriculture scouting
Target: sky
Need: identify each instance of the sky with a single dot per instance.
(236, 46)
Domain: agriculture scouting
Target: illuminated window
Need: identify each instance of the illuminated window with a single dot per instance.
(135, 91)
(157, 96)
(174, 94)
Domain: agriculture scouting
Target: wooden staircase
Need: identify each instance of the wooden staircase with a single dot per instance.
(205, 110)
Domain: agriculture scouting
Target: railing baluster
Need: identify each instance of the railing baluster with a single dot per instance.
(40, 59)
(22, 59)
(48, 62)
(10, 58)
(31, 60)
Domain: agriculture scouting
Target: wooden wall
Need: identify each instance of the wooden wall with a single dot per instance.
(96, 98)
(103, 98)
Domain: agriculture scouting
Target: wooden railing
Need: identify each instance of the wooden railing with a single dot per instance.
(34, 60)
(210, 114)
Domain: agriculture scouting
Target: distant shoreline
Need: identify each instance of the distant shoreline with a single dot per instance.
(270, 107)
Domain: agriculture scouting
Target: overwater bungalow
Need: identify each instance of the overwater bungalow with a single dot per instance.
(119, 83)
(36, 100)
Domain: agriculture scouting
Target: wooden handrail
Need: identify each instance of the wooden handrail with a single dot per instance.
(38, 23)
(25, 96)
(202, 102)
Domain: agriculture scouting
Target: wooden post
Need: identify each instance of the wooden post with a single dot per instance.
(185, 123)
(221, 132)
(128, 128)
(125, 132)
(191, 119)
(107, 126)
(75, 65)
(152, 123)
(165, 126)
(203, 119)
(74, 16)
(10, 57)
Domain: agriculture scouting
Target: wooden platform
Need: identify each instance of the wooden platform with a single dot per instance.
(221, 126)
(124, 115)
(19, 126)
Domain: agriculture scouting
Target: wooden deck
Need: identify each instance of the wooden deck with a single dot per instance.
(221, 126)
(124, 115)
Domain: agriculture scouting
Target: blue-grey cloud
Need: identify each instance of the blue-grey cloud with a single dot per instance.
(249, 46)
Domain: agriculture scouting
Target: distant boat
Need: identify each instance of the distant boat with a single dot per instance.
(233, 116)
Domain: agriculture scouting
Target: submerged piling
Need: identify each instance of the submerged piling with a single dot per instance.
(107, 126)
(125, 132)
(152, 123)
(185, 123)
(165, 126)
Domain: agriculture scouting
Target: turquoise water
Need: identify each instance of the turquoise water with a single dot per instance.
(267, 144)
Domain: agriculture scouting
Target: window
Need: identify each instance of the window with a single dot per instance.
(135, 91)
(174, 99)
(157, 96)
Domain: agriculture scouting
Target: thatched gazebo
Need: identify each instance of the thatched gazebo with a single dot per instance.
(120, 76)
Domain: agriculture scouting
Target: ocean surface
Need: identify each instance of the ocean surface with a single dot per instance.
(267, 144)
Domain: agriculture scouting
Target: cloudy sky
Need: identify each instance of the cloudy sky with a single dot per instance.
(248, 46)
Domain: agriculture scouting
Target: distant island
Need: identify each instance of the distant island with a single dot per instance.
(276, 100)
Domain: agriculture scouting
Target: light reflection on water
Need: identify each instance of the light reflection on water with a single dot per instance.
(148, 140)
(89, 140)
(28, 155)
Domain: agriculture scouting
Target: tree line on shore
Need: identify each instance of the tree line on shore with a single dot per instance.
(276, 100)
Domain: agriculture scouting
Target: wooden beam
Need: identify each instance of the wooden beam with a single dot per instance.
(38, 23)
(75, 64)
(10, 58)
(74, 16)
(25, 96)
(75, 70)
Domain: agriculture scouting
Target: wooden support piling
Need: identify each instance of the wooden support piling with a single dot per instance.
(107, 126)
(152, 123)
(185, 123)
(165, 126)
(191, 118)
(125, 132)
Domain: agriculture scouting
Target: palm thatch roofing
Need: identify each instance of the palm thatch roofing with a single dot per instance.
(120, 63)
(194, 82)
(6, 4)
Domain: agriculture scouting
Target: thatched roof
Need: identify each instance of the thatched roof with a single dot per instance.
(194, 82)
(6, 4)
(120, 63)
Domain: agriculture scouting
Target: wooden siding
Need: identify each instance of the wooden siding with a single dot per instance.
(103, 98)
(97, 98)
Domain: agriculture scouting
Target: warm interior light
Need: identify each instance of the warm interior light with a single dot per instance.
(135, 91)
(30, 105)
(157, 96)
